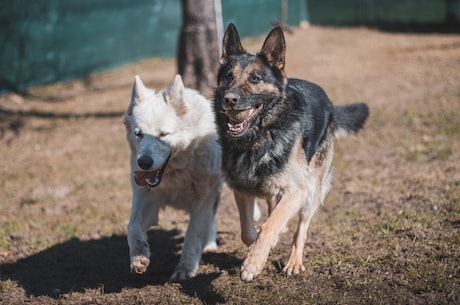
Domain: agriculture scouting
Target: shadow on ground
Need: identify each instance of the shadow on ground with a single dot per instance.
(14, 120)
(76, 265)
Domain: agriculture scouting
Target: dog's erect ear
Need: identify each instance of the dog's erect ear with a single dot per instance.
(176, 91)
(174, 95)
(231, 44)
(274, 48)
(139, 92)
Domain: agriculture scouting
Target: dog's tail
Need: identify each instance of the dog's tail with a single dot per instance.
(350, 119)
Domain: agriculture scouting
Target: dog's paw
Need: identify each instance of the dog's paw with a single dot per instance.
(182, 274)
(255, 261)
(139, 264)
(246, 275)
(291, 269)
(250, 269)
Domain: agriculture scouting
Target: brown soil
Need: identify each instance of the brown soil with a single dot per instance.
(388, 232)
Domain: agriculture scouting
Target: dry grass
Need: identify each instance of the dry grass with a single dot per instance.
(387, 234)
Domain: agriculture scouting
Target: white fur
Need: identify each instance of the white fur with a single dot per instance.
(192, 181)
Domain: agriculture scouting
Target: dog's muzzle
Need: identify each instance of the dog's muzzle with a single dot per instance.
(152, 178)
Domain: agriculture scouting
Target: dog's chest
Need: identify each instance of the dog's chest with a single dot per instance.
(185, 186)
(177, 197)
(252, 169)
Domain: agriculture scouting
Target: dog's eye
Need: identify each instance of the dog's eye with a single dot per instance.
(138, 133)
(229, 77)
(163, 134)
(254, 78)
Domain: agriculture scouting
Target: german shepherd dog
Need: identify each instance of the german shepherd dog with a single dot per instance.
(277, 137)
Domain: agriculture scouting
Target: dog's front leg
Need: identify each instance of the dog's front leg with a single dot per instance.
(144, 213)
(258, 252)
(246, 204)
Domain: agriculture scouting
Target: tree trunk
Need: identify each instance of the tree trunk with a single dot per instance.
(198, 55)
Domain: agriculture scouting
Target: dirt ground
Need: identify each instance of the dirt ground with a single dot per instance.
(388, 232)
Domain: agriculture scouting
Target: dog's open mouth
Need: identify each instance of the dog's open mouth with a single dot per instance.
(239, 120)
(151, 178)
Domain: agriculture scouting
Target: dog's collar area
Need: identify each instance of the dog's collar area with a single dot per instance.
(151, 178)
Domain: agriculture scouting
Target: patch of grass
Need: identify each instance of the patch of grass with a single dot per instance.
(67, 230)
(390, 225)
(327, 261)
(428, 275)
(430, 149)
(7, 285)
(453, 198)
(6, 229)
(405, 222)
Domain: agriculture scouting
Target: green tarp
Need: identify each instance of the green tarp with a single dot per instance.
(43, 41)
(334, 12)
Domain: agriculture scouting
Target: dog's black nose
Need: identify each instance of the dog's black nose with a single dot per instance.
(145, 162)
(231, 98)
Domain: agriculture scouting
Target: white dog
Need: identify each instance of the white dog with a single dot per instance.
(176, 161)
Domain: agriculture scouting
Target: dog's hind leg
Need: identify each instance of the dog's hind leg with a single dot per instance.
(295, 264)
(246, 205)
(211, 244)
(321, 187)
(202, 220)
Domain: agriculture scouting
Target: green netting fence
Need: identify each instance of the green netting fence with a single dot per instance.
(44, 41)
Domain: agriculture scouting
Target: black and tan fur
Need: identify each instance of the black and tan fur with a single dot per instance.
(277, 136)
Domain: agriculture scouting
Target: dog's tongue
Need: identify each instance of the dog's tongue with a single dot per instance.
(150, 178)
(239, 116)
